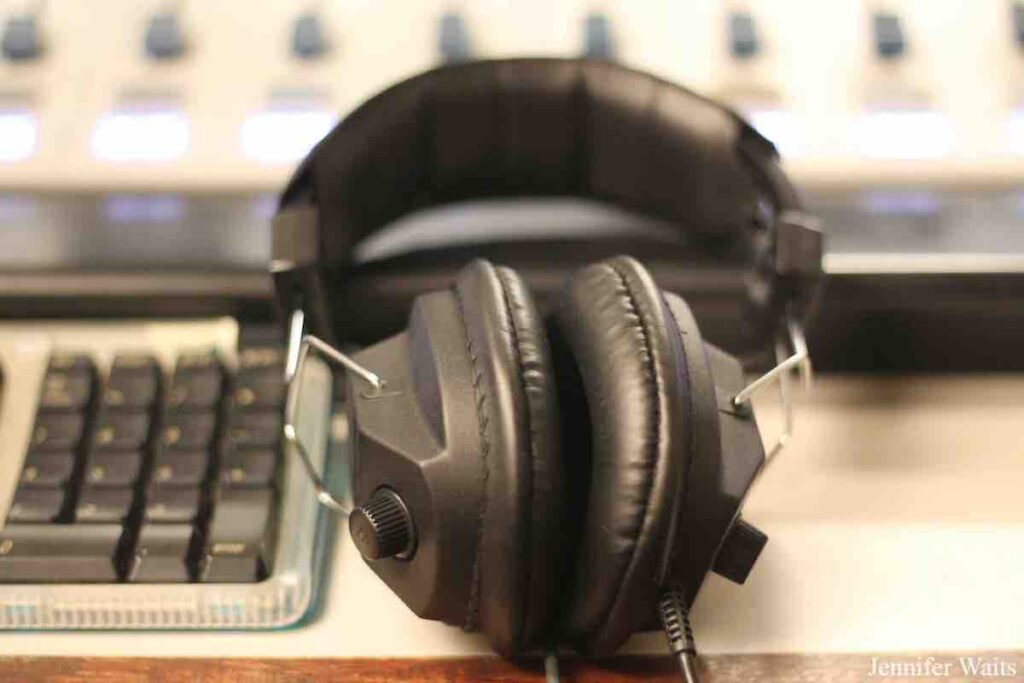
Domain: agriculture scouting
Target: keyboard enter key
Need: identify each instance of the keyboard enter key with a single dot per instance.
(239, 546)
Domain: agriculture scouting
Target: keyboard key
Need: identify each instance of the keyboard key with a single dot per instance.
(263, 389)
(103, 505)
(70, 362)
(59, 553)
(68, 383)
(260, 380)
(161, 555)
(134, 382)
(253, 429)
(121, 470)
(238, 546)
(51, 470)
(261, 358)
(180, 468)
(249, 467)
(172, 504)
(121, 431)
(188, 430)
(57, 431)
(198, 361)
(36, 505)
(197, 383)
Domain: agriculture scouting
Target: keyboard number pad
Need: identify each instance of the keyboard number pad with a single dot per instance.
(146, 478)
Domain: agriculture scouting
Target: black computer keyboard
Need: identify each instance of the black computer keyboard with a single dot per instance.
(137, 477)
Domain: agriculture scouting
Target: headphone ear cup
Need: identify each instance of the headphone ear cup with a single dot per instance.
(613, 328)
(512, 599)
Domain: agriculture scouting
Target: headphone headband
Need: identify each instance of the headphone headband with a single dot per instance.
(535, 127)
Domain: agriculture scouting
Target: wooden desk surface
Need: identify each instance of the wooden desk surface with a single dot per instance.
(714, 669)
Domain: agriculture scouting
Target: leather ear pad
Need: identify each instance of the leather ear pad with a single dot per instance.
(512, 596)
(696, 544)
(614, 323)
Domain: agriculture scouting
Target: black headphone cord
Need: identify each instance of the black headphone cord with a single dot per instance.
(675, 619)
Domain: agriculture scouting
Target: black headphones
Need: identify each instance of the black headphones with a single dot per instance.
(559, 477)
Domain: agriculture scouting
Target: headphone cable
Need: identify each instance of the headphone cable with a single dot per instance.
(675, 620)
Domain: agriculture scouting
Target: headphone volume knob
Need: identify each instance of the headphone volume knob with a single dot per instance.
(383, 527)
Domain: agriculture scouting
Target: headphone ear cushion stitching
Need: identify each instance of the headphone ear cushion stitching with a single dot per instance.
(513, 575)
(480, 401)
(611, 318)
(654, 382)
(504, 276)
(529, 344)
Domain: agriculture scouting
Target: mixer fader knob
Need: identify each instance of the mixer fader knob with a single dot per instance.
(164, 36)
(21, 39)
(309, 40)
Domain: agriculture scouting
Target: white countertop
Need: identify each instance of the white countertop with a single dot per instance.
(896, 523)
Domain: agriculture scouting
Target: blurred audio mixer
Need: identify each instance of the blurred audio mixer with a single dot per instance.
(227, 95)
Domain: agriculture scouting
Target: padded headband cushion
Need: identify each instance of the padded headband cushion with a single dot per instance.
(530, 127)
(512, 596)
(615, 323)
